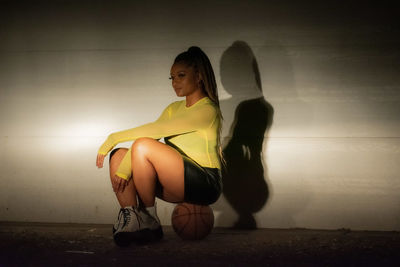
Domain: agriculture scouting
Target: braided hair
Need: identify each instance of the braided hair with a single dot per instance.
(196, 58)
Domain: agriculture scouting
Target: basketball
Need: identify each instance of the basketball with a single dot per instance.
(192, 222)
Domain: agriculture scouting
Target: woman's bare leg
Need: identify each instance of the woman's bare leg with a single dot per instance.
(153, 160)
(128, 196)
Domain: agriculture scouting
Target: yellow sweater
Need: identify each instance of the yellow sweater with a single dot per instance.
(192, 129)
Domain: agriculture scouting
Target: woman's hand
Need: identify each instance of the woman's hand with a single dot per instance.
(119, 184)
(100, 160)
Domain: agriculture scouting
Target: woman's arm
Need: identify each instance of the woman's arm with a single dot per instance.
(118, 137)
(109, 144)
(190, 121)
(198, 119)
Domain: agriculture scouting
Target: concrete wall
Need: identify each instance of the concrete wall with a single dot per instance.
(310, 92)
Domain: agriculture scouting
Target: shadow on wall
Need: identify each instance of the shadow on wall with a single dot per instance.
(245, 187)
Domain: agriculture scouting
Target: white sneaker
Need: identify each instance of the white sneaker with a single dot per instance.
(126, 226)
(136, 226)
(150, 226)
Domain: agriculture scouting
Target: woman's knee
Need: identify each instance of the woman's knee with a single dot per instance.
(142, 145)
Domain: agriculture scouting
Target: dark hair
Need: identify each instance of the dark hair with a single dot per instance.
(196, 58)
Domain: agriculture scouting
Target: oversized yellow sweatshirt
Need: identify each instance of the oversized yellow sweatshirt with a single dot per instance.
(194, 130)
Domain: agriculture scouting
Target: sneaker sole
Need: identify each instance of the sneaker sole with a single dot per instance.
(124, 239)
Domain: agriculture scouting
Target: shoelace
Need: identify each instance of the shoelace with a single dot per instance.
(126, 216)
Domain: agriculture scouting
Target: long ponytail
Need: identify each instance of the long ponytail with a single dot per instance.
(196, 58)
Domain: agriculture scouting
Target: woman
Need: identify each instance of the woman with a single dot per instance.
(184, 169)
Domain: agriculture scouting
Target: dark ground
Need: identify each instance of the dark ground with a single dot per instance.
(39, 244)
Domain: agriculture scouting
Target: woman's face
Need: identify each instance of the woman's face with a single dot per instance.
(184, 79)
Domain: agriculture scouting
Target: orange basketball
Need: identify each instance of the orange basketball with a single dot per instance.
(192, 221)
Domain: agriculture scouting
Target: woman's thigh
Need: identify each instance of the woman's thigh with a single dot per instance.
(168, 165)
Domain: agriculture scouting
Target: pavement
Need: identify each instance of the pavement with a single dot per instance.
(51, 244)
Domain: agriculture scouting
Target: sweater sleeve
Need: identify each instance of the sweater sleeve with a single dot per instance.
(127, 135)
(124, 169)
(166, 126)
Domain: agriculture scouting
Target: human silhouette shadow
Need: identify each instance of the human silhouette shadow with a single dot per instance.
(245, 186)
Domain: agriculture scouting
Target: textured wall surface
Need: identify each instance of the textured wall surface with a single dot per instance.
(309, 92)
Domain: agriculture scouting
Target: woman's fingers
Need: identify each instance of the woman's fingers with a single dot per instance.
(114, 184)
(123, 185)
(100, 160)
(119, 184)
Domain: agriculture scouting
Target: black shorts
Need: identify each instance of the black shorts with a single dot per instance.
(203, 186)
